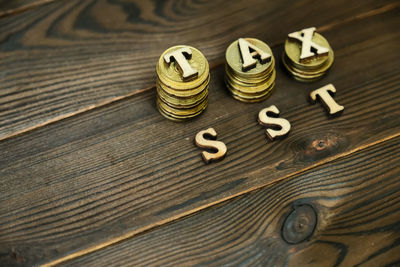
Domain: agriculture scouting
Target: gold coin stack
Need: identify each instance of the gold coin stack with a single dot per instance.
(252, 85)
(308, 69)
(179, 97)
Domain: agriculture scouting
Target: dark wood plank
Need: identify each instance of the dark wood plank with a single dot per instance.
(11, 7)
(68, 57)
(356, 199)
(89, 181)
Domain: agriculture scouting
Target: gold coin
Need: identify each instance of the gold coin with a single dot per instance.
(255, 78)
(182, 102)
(252, 80)
(255, 100)
(293, 51)
(305, 76)
(168, 116)
(316, 72)
(246, 82)
(170, 74)
(190, 92)
(182, 112)
(248, 88)
(251, 96)
(234, 61)
(175, 117)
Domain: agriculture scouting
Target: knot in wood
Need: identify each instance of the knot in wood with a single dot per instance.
(329, 142)
(319, 144)
(299, 225)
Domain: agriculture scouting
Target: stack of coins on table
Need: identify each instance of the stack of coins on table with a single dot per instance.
(183, 76)
(250, 70)
(307, 55)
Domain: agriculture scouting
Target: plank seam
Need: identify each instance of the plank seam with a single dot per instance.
(23, 8)
(208, 205)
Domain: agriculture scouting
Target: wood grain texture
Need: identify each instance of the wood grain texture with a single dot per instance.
(11, 7)
(98, 178)
(67, 57)
(356, 198)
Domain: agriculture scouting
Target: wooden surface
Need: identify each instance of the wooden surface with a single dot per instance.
(98, 169)
(10, 7)
(68, 57)
(356, 198)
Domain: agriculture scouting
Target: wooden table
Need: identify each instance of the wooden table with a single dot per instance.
(92, 175)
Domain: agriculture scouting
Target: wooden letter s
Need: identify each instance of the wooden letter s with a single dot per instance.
(265, 120)
(210, 144)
